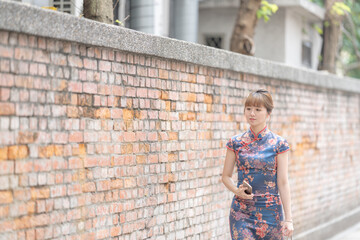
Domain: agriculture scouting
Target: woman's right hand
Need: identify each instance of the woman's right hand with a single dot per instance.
(240, 192)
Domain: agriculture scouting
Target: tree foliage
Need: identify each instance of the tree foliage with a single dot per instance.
(348, 57)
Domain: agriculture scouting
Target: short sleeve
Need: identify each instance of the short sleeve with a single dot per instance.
(283, 146)
(230, 145)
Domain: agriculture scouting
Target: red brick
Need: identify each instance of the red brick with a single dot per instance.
(18, 152)
(4, 153)
(46, 151)
(4, 65)
(88, 187)
(117, 67)
(115, 231)
(42, 70)
(23, 53)
(23, 166)
(75, 61)
(6, 52)
(163, 74)
(60, 137)
(90, 88)
(4, 37)
(6, 167)
(72, 112)
(40, 193)
(90, 161)
(75, 87)
(152, 136)
(58, 59)
(90, 64)
(4, 212)
(75, 163)
(74, 189)
(103, 185)
(131, 69)
(117, 90)
(105, 66)
(102, 233)
(141, 92)
(57, 191)
(129, 137)
(7, 109)
(141, 71)
(103, 113)
(6, 80)
(6, 197)
(41, 56)
(76, 137)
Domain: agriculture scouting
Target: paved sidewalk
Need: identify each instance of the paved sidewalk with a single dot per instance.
(353, 233)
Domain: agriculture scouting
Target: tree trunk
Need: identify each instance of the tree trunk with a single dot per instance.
(99, 10)
(243, 33)
(331, 34)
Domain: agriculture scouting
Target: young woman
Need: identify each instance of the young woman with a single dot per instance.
(261, 159)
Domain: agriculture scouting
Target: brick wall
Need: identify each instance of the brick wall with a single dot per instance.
(102, 143)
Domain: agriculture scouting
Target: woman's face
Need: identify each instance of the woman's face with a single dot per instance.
(256, 116)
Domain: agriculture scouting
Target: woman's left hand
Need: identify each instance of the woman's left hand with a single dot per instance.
(288, 229)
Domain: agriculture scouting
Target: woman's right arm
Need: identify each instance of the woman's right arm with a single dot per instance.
(228, 171)
(227, 174)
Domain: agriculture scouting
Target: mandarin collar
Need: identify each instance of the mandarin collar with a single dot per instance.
(261, 134)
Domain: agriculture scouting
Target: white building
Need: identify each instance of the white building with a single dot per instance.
(288, 37)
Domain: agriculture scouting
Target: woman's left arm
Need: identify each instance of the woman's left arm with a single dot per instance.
(284, 188)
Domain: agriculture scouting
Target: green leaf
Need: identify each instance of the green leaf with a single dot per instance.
(318, 29)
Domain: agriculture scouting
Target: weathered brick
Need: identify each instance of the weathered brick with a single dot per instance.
(4, 37)
(7, 109)
(58, 59)
(6, 197)
(40, 193)
(76, 137)
(105, 66)
(6, 80)
(75, 61)
(23, 53)
(163, 74)
(6, 52)
(18, 152)
(41, 56)
(90, 88)
(75, 87)
(103, 113)
(89, 187)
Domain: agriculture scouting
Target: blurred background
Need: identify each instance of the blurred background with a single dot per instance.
(285, 31)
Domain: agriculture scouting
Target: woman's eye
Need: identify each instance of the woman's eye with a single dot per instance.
(258, 109)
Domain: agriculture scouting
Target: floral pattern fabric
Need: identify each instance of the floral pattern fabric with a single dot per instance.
(256, 162)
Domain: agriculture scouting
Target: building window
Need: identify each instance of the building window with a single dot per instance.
(64, 6)
(306, 54)
(214, 41)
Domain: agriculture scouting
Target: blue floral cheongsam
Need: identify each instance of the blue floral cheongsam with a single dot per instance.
(256, 162)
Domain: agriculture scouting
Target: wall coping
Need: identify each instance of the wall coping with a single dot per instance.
(32, 20)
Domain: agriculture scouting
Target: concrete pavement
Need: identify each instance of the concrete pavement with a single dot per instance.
(353, 233)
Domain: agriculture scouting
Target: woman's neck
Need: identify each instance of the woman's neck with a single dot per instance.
(258, 128)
